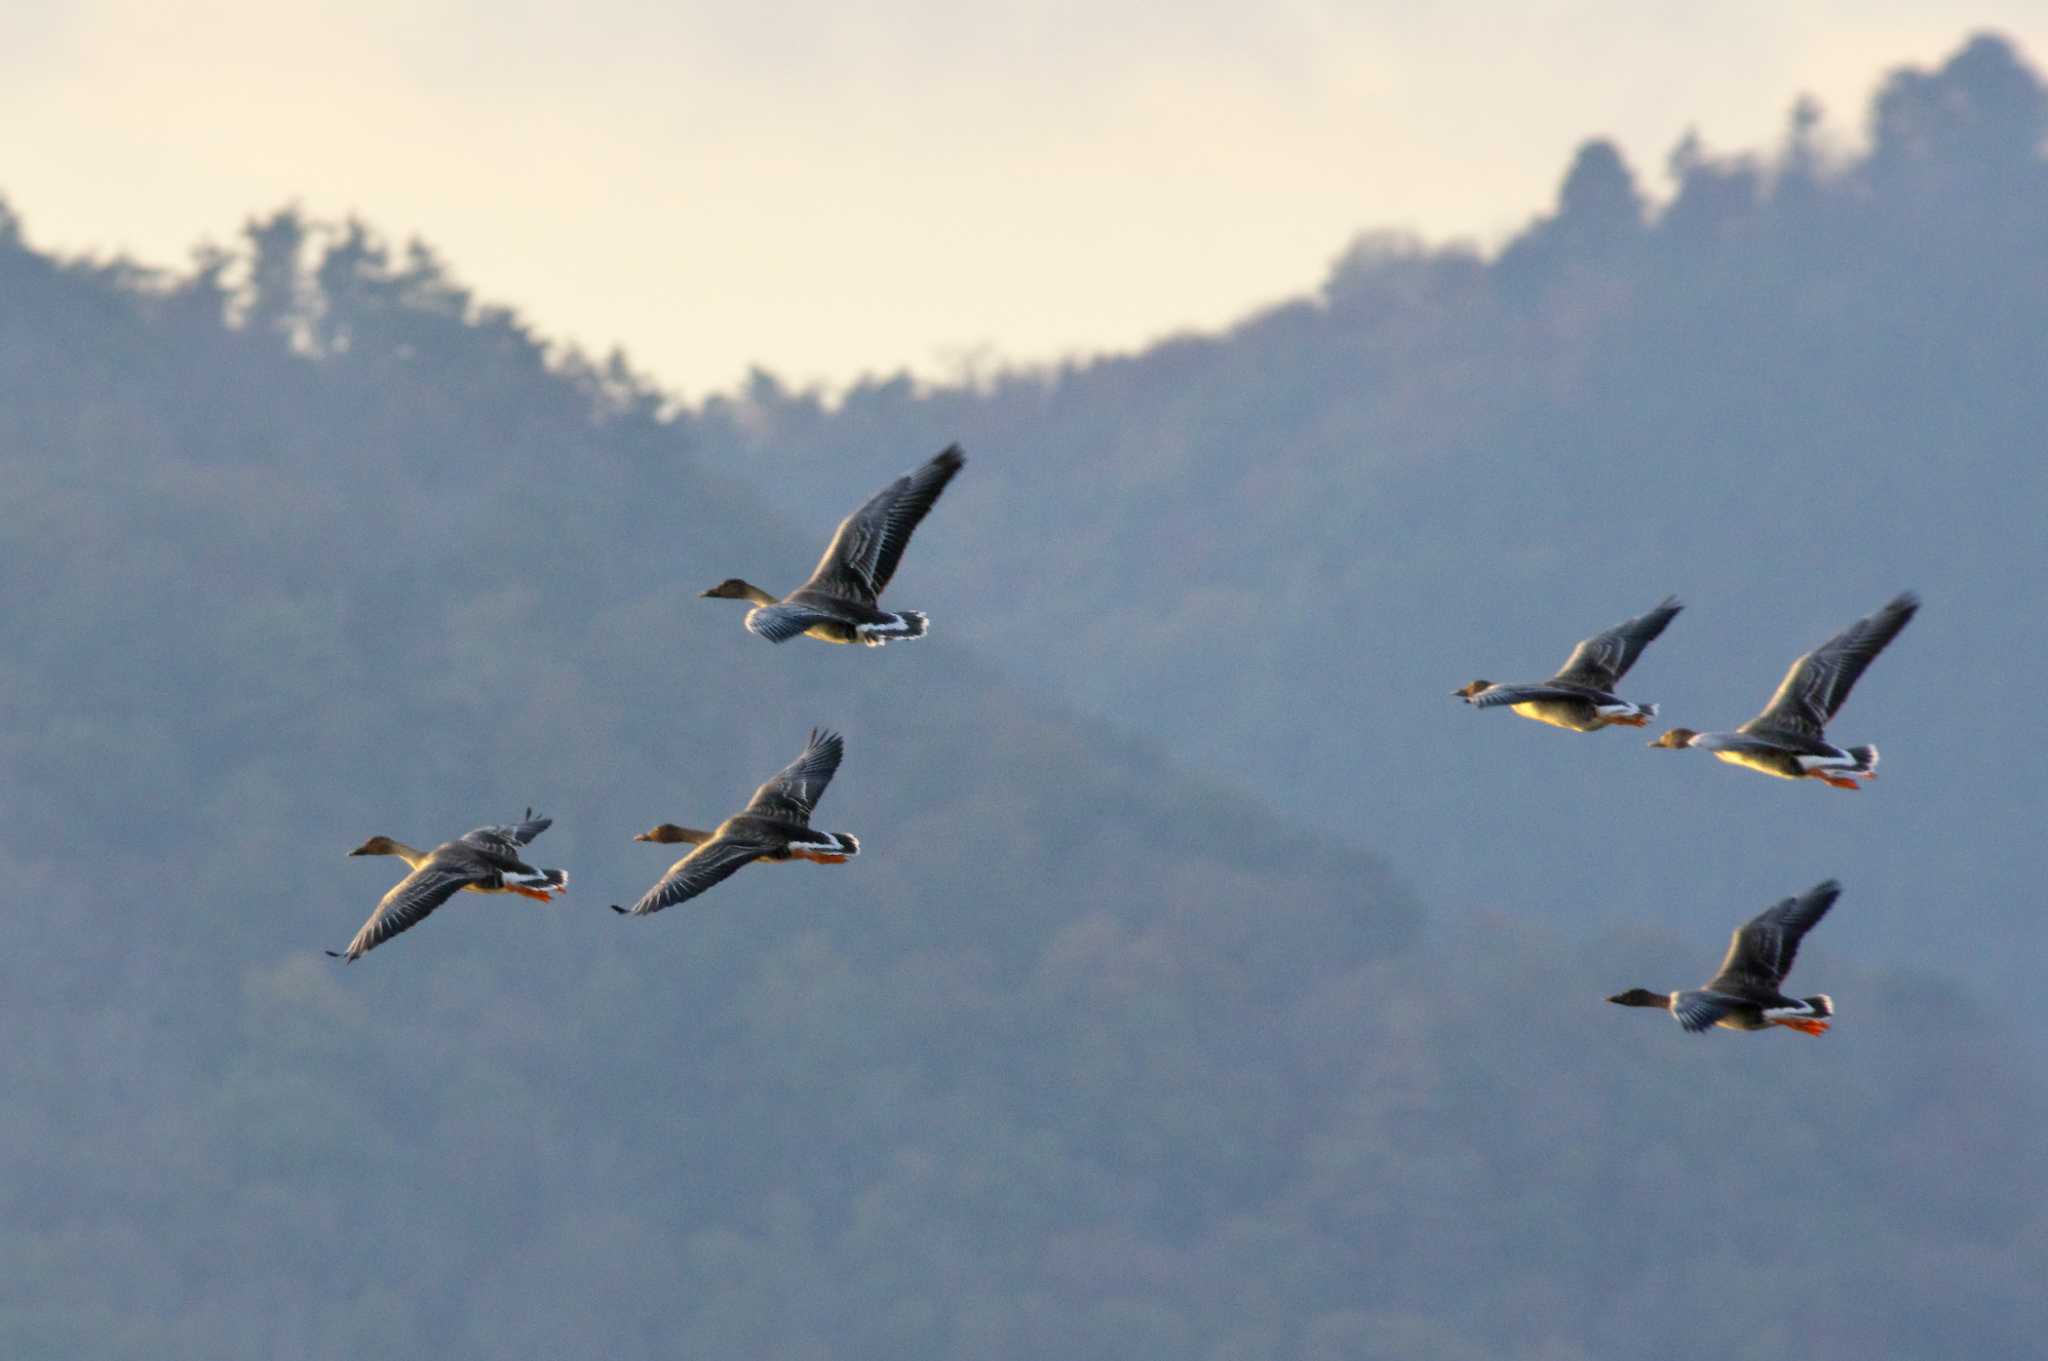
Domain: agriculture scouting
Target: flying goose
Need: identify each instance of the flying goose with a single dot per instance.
(1581, 695)
(1786, 739)
(775, 825)
(1745, 995)
(837, 605)
(483, 861)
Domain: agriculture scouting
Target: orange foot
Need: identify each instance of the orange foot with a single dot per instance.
(819, 857)
(533, 893)
(1805, 1025)
(1639, 721)
(1840, 783)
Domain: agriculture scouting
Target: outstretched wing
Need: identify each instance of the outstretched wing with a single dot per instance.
(711, 863)
(1493, 696)
(1605, 658)
(863, 554)
(506, 840)
(412, 899)
(1814, 690)
(782, 622)
(1698, 1008)
(1761, 952)
(795, 791)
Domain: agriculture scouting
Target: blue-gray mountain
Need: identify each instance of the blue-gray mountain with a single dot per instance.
(1804, 383)
(1084, 1056)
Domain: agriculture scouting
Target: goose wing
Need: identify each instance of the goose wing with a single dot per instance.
(1697, 1009)
(783, 621)
(1605, 658)
(506, 841)
(796, 789)
(711, 863)
(1814, 690)
(1493, 696)
(414, 897)
(863, 554)
(1761, 952)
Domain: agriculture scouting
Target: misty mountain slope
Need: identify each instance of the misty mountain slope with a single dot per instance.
(270, 603)
(319, 597)
(1082, 1057)
(1808, 381)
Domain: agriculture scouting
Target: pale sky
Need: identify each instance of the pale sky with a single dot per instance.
(828, 189)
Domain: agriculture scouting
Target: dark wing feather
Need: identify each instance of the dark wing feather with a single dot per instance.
(711, 863)
(1493, 696)
(863, 554)
(506, 840)
(795, 790)
(1763, 948)
(1818, 684)
(781, 622)
(1698, 1008)
(1605, 658)
(413, 898)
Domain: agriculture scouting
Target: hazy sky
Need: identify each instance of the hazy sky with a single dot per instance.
(827, 189)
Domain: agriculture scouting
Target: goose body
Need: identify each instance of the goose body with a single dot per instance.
(838, 604)
(1747, 993)
(485, 860)
(774, 826)
(1580, 697)
(1788, 739)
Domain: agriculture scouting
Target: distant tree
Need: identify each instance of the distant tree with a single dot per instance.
(1982, 115)
(277, 297)
(1715, 198)
(1599, 217)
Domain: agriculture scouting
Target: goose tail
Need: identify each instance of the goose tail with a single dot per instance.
(540, 885)
(904, 624)
(829, 848)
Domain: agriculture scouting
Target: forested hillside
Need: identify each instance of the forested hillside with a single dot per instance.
(1806, 380)
(1120, 1039)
